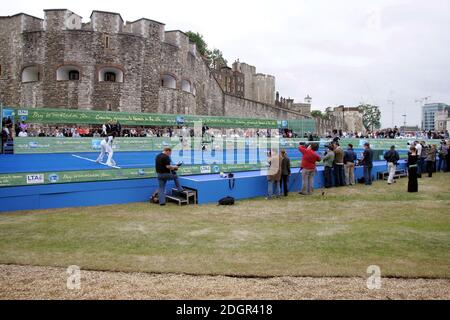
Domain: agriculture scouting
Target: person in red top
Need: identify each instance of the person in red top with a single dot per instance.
(309, 159)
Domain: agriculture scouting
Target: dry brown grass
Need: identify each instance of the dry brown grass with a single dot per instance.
(27, 282)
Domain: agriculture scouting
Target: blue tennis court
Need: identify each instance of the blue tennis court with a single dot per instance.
(86, 161)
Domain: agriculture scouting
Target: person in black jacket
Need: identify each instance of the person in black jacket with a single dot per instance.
(166, 172)
(367, 162)
(285, 172)
(4, 138)
(392, 159)
(413, 159)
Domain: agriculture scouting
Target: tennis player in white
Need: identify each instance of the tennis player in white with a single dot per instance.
(106, 148)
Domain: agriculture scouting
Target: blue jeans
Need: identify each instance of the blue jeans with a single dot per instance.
(442, 164)
(368, 175)
(421, 167)
(270, 185)
(162, 180)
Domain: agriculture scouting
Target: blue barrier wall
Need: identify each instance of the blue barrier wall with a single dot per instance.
(253, 184)
(77, 194)
(210, 188)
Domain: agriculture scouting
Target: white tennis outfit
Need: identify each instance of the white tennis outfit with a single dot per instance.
(106, 148)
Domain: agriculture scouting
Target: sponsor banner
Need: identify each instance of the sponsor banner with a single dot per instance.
(23, 179)
(26, 179)
(35, 178)
(64, 116)
(25, 145)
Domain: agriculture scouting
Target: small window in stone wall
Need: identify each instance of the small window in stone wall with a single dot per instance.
(186, 86)
(168, 81)
(107, 42)
(31, 74)
(67, 72)
(110, 74)
(74, 75)
(110, 77)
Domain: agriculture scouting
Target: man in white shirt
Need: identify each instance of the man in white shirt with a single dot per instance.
(419, 152)
(23, 134)
(106, 148)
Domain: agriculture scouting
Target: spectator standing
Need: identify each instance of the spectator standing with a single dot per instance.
(367, 162)
(328, 161)
(448, 156)
(431, 159)
(339, 166)
(349, 164)
(285, 172)
(273, 174)
(423, 158)
(443, 154)
(413, 159)
(392, 159)
(4, 138)
(418, 147)
(308, 165)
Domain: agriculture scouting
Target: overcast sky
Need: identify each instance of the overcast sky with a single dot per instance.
(339, 52)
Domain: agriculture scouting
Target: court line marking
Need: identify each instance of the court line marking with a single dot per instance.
(137, 165)
(102, 163)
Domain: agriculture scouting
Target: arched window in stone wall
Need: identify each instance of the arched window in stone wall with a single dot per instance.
(31, 74)
(186, 86)
(65, 73)
(110, 74)
(168, 81)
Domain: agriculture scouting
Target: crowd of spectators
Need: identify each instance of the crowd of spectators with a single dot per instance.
(23, 129)
(388, 133)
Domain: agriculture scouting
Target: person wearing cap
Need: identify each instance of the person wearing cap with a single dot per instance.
(392, 159)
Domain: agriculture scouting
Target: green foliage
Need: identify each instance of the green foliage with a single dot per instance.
(197, 38)
(317, 114)
(371, 116)
(214, 56)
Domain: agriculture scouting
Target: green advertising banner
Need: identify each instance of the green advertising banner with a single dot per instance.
(67, 116)
(27, 145)
(42, 178)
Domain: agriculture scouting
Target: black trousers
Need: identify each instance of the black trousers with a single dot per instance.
(284, 184)
(413, 185)
(327, 173)
(430, 168)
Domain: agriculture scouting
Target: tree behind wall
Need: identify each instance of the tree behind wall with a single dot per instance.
(214, 56)
(371, 116)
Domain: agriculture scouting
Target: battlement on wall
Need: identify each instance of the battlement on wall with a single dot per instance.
(181, 40)
(100, 21)
(21, 22)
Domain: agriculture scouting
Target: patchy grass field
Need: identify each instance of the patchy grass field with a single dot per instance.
(340, 233)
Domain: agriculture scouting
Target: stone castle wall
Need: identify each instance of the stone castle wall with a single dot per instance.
(141, 50)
